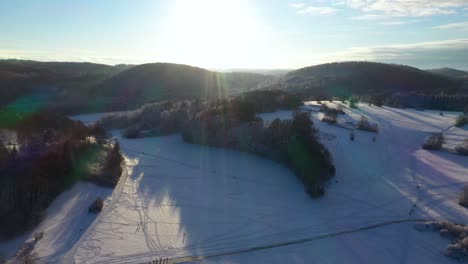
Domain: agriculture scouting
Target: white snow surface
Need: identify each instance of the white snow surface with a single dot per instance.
(67, 218)
(184, 200)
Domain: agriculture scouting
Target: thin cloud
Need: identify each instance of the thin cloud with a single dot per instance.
(70, 56)
(369, 17)
(297, 5)
(317, 10)
(434, 54)
(462, 26)
(303, 9)
(394, 23)
(404, 8)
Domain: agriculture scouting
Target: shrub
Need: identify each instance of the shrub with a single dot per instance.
(434, 142)
(377, 101)
(340, 109)
(353, 102)
(38, 236)
(365, 125)
(461, 120)
(463, 200)
(457, 233)
(458, 251)
(98, 131)
(462, 149)
(96, 206)
(26, 254)
(131, 132)
(330, 117)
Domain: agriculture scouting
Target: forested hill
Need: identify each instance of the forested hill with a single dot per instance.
(449, 72)
(20, 79)
(70, 87)
(366, 78)
(161, 81)
(87, 87)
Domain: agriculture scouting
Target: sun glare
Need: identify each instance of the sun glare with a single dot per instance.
(212, 34)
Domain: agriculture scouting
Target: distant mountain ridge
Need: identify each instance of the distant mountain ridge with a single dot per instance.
(365, 78)
(88, 87)
(450, 72)
(162, 81)
(21, 77)
(72, 87)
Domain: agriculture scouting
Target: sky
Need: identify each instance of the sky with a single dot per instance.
(228, 34)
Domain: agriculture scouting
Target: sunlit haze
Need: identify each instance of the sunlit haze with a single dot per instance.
(221, 34)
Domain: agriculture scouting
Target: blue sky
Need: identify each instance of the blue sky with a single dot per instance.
(221, 34)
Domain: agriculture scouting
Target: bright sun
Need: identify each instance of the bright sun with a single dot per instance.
(212, 34)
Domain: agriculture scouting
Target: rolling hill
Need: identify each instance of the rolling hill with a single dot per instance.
(20, 78)
(449, 72)
(162, 81)
(88, 87)
(365, 78)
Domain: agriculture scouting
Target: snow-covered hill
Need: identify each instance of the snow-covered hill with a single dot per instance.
(183, 200)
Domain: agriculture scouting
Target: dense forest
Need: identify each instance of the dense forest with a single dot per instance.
(47, 154)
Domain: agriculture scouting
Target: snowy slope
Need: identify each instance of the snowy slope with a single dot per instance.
(189, 200)
(66, 220)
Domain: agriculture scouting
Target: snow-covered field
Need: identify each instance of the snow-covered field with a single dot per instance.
(183, 200)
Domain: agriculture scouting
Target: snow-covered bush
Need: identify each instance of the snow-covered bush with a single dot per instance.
(365, 125)
(353, 101)
(434, 142)
(330, 117)
(338, 110)
(377, 101)
(461, 120)
(462, 149)
(463, 200)
(458, 251)
(25, 254)
(38, 236)
(457, 233)
(96, 206)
